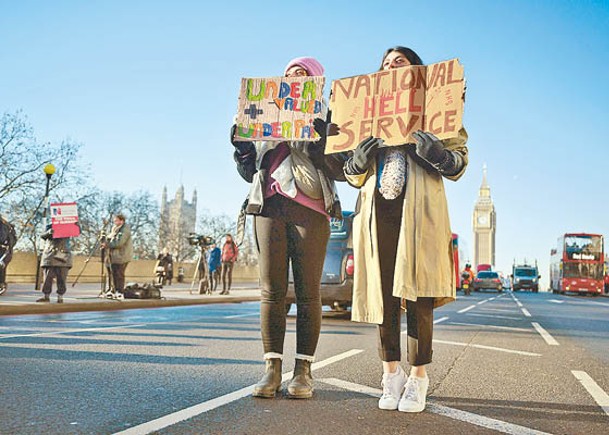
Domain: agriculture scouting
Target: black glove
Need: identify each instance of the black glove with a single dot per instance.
(430, 147)
(320, 127)
(242, 146)
(364, 154)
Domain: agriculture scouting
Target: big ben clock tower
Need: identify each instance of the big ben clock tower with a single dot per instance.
(484, 225)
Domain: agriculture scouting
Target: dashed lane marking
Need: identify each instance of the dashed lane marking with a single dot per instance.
(507, 328)
(481, 346)
(545, 334)
(445, 411)
(556, 301)
(440, 320)
(193, 411)
(471, 307)
(593, 389)
(525, 312)
(494, 316)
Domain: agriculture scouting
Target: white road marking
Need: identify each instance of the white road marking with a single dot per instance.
(525, 312)
(507, 328)
(494, 316)
(499, 310)
(445, 411)
(481, 346)
(556, 301)
(545, 334)
(441, 319)
(482, 302)
(471, 307)
(193, 411)
(241, 315)
(70, 331)
(594, 390)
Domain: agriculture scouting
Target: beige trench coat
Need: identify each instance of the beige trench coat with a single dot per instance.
(424, 262)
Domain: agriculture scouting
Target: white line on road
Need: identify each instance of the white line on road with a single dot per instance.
(499, 310)
(193, 411)
(471, 307)
(556, 301)
(70, 331)
(445, 411)
(525, 312)
(441, 319)
(242, 315)
(594, 390)
(507, 328)
(482, 302)
(545, 334)
(481, 346)
(494, 316)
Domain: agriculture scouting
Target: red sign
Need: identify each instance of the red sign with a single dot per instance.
(64, 220)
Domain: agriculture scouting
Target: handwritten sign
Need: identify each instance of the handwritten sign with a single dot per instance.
(393, 104)
(64, 218)
(279, 108)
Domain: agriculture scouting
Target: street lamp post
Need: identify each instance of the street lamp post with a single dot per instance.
(49, 170)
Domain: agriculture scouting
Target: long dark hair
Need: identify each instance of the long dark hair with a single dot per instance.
(412, 57)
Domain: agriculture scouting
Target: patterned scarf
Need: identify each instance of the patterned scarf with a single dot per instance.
(393, 173)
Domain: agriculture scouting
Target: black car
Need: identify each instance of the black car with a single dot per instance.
(337, 277)
(488, 280)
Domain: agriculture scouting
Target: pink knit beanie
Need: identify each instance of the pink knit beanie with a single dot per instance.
(311, 65)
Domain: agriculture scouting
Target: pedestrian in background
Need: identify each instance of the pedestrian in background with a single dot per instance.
(121, 251)
(165, 263)
(230, 251)
(8, 238)
(214, 264)
(56, 261)
(402, 246)
(292, 197)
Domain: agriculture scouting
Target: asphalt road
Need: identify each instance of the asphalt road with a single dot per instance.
(511, 363)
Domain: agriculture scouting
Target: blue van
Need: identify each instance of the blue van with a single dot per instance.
(337, 277)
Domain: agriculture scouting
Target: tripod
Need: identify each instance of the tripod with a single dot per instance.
(201, 270)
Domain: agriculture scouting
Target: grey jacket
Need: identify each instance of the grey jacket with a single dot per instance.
(56, 252)
(253, 167)
(120, 244)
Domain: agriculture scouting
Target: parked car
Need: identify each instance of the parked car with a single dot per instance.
(337, 276)
(488, 280)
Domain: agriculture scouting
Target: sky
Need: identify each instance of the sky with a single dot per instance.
(150, 90)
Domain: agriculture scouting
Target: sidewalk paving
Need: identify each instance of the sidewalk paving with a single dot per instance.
(21, 298)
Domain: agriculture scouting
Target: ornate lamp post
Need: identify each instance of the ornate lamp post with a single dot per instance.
(49, 170)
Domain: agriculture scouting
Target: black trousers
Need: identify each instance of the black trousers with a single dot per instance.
(287, 231)
(419, 314)
(118, 276)
(227, 274)
(3, 274)
(54, 272)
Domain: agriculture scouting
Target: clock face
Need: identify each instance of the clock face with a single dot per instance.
(482, 219)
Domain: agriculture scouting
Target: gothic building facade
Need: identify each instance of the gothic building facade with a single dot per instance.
(178, 220)
(484, 225)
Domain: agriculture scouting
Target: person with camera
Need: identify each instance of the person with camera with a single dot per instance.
(164, 267)
(121, 251)
(56, 261)
(214, 264)
(292, 198)
(229, 257)
(8, 238)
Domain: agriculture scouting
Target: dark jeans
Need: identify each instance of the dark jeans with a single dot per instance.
(227, 274)
(419, 314)
(118, 276)
(2, 275)
(287, 231)
(58, 273)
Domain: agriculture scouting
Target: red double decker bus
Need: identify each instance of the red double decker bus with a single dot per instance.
(577, 264)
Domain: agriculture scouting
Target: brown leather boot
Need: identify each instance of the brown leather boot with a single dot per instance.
(301, 385)
(271, 381)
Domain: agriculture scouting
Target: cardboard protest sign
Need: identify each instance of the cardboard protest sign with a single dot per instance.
(393, 104)
(64, 218)
(279, 108)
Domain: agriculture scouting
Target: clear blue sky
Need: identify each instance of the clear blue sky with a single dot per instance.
(150, 89)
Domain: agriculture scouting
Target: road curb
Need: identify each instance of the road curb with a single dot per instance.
(110, 305)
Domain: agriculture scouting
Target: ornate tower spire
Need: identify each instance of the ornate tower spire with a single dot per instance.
(484, 224)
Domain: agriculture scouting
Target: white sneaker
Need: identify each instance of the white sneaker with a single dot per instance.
(415, 394)
(393, 384)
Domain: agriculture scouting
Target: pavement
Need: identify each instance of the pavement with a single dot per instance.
(21, 298)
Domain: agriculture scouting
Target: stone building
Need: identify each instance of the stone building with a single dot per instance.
(484, 225)
(178, 220)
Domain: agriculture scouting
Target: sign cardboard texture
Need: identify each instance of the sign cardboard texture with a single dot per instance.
(393, 104)
(279, 108)
(64, 219)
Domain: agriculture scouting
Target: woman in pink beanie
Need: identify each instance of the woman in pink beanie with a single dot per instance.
(292, 199)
